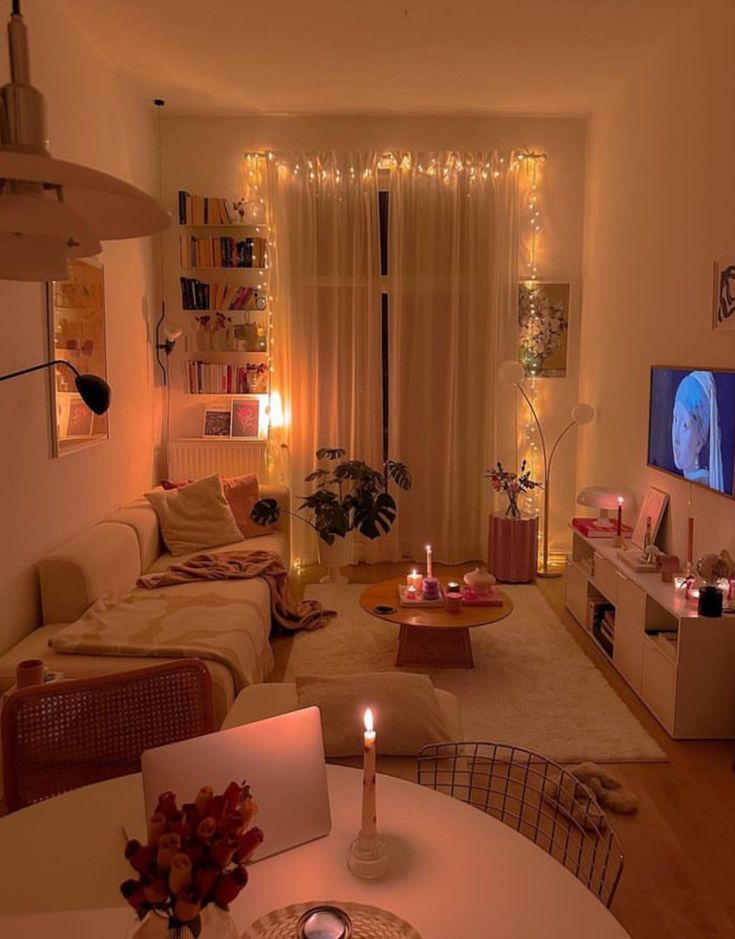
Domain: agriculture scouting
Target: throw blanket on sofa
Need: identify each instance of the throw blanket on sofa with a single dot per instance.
(192, 621)
(239, 565)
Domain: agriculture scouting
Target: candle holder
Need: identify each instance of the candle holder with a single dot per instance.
(367, 857)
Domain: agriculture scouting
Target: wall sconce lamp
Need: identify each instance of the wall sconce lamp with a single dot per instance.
(513, 373)
(170, 334)
(93, 390)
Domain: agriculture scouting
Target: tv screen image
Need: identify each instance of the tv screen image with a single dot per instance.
(691, 428)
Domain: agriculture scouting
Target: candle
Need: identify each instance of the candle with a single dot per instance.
(453, 587)
(411, 592)
(429, 568)
(619, 529)
(414, 580)
(690, 541)
(369, 826)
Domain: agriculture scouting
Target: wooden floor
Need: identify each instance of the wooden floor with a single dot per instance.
(679, 877)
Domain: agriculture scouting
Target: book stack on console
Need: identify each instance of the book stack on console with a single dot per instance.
(603, 624)
(592, 528)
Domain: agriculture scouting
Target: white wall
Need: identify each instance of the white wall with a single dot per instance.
(94, 118)
(660, 209)
(204, 155)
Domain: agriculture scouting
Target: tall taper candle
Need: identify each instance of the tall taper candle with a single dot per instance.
(369, 828)
(429, 567)
(619, 529)
(690, 541)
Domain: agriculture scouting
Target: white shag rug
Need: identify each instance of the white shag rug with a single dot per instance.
(532, 685)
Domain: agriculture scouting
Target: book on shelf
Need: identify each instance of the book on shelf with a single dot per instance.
(591, 528)
(201, 295)
(221, 251)
(217, 378)
(203, 210)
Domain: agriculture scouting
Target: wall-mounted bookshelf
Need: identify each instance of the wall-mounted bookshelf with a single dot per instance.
(225, 311)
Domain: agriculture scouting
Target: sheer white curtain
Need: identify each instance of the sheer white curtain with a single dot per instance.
(326, 314)
(454, 234)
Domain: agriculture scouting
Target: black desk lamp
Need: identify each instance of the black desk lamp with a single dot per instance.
(94, 391)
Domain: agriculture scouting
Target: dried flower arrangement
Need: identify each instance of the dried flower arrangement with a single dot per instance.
(512, 484)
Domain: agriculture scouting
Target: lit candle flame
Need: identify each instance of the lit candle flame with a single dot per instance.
(621, 500)
(368, 718)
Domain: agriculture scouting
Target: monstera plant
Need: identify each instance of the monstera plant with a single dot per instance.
(349, 496)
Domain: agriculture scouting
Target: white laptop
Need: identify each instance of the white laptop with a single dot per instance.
(282, 760)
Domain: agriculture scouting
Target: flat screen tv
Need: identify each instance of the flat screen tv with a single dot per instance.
(691, 428)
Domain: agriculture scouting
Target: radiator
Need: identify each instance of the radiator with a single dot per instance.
(192, 459)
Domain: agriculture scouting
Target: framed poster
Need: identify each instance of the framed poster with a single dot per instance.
(246, 423)
(723, 293)
(543, 325)
(76, 332)
(653, 507)
(217, 422)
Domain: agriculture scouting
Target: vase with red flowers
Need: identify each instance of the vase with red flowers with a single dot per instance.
(192, 864)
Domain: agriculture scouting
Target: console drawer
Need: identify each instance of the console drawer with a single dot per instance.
(658, 683)
(605, 578)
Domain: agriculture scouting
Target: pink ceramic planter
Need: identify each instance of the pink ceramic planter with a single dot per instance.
(512, 548)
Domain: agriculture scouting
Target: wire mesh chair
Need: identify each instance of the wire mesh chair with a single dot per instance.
(68, 734)
(536, 797)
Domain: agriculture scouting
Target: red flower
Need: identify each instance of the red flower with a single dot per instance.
(188, 904)
(205, 878)
(229, 885)
(221, 851)
(247, 844)
(141, 858)
(132, 890)
(167, 804)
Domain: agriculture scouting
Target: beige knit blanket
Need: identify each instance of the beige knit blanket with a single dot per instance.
(194, 621)
(238, 565)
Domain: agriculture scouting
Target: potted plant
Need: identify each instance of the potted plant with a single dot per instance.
(349, 496)
(513, 540)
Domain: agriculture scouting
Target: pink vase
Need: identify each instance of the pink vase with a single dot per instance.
(512, 548)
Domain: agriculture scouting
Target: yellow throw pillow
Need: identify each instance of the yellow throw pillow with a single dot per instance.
(407, 714)
(195, 517)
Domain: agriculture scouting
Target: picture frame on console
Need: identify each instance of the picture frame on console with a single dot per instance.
(653, 506)
(217, 422)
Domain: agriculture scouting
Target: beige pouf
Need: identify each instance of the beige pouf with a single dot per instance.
(259, 701)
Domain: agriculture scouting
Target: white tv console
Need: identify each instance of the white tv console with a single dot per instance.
(681, 665)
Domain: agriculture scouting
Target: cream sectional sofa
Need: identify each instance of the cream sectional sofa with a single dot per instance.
(110, 556)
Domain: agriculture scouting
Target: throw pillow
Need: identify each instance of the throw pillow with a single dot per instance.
(407, 714)
(195, 517)
(242, 493)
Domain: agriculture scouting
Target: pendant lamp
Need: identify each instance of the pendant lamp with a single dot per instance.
(52, 210)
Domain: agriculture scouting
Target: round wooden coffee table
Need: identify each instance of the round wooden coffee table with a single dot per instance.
(431, 636)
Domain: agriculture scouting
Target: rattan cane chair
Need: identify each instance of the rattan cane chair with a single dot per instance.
(68, 734)
(535, 796)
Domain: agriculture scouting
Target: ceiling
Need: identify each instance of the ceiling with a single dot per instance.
(375, 56)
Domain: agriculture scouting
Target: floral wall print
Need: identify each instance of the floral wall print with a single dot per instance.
(543, 321)
(723, 307)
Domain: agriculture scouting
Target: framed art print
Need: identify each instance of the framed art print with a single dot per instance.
(246, 421)
(543, 326)
(653, 507)
(723, 293)
(217, 422)
(77, 335)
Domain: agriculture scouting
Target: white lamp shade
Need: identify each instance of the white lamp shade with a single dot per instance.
(172, 331)
(583, 413)
(511, 372)
(605, 497)
(110, 207)
(32, 257)
(39, 215)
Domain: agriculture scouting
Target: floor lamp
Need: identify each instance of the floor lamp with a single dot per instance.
(513, 373)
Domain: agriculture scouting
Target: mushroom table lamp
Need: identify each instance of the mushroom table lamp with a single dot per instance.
(606, 499)
(513, 373)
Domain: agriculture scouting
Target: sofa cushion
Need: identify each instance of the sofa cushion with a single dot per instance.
(406, 712)
(141, 517)
(35, 646)
(103, 558)
(242, 492)
(194, 517)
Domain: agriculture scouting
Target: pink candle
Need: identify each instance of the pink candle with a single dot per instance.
(411, 593)
(690, 541)
(369, 828)
(429, 568)
(414, 579)
(619, 530)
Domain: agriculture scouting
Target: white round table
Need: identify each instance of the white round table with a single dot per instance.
(454, 871)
